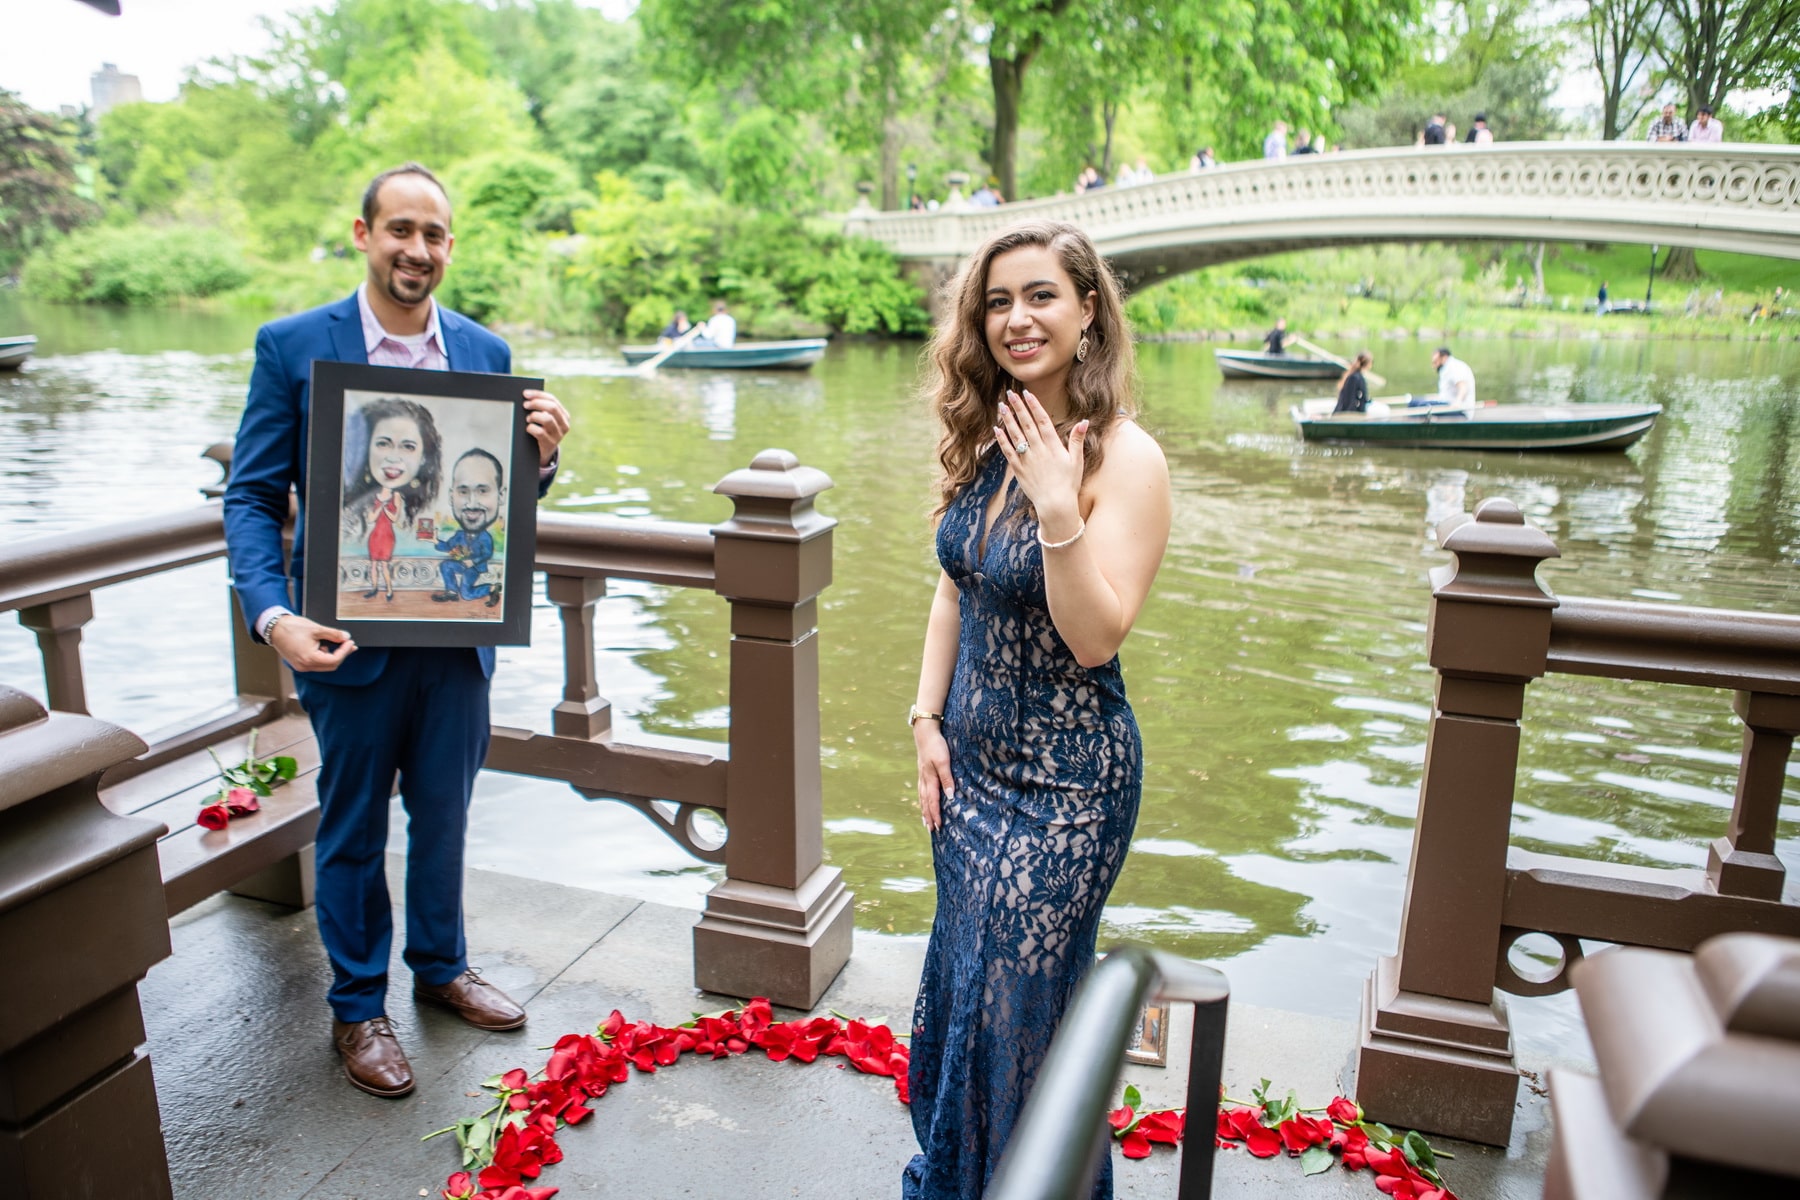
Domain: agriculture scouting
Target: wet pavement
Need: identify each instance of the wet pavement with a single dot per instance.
(255, 1106)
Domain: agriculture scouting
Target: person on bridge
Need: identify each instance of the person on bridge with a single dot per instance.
(1435, 133)
(1704, 128)
(1275, 341)
(1203, 158)
(1303, 143)
(1054, 511)
(1275, 145)
(419, 714)
(1479, 133)
(1353, 389)
(1456, 383)
(1668, 127)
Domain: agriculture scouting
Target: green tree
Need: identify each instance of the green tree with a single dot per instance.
(1711, 47)
(1500, 60)
(1619, 35)
(856, 65)
(370, 47)
(439, 112)
(613, 114)
(39, 191)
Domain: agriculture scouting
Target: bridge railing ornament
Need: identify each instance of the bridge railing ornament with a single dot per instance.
(1437, 1050)
(1736, 197)
(779, 923)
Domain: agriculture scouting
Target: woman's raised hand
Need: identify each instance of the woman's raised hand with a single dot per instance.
(1047, 467)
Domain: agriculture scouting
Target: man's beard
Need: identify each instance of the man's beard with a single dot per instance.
(474, 520)
(395, 288)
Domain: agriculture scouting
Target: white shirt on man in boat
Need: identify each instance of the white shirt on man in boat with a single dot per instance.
(1453, 373)
(721, 329)
(1456, 384)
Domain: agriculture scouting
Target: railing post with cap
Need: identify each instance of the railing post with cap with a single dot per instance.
(779, 925)
(1436, 1048)
(82, 919)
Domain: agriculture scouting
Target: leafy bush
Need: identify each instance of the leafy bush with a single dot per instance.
(136, 264)
(501, 202)
(641, 257)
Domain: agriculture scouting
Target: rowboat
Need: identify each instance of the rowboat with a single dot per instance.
(1259, 364)
(1389, 422)
(795, 355)
(15, 350)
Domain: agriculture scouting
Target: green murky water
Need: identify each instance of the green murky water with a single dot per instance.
(1278, 671)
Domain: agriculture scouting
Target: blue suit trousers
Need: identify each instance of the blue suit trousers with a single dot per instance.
(424, 721)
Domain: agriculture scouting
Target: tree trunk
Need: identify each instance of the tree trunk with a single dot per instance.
(890, 161)
(1008, 75)
(1537, 272)
(1679, 263)
(1109, 116)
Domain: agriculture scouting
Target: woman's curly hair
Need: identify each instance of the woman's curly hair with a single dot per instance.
(965, 383)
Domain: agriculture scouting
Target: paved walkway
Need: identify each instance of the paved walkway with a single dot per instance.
(255, 1108)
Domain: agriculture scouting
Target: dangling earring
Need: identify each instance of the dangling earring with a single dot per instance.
(1081, 348)
(414, 485)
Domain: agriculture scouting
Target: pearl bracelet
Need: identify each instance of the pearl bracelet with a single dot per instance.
(1068, 541)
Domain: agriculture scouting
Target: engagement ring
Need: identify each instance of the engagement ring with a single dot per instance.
(1022, 446)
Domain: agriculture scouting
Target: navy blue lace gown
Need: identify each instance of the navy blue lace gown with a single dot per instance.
(1048, 769)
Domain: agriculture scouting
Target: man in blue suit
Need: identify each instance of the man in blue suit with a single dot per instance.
(416, 714)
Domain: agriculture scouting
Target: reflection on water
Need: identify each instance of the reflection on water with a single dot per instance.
(1278, 671)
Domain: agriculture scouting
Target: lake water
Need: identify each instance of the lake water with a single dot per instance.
(1278, 670)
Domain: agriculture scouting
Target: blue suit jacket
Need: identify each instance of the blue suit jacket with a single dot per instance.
(270, 456)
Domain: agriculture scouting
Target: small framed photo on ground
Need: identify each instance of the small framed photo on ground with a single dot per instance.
(421, 506)
(1149, 1042)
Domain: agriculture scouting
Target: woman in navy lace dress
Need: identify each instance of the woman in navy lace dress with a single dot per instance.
(1054, 514)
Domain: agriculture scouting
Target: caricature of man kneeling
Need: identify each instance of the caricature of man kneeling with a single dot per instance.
(477, 488)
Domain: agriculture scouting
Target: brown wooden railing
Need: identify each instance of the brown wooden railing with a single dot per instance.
(1437, 1047)
(778, 924)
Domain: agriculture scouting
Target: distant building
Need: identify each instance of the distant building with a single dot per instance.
(112, 88)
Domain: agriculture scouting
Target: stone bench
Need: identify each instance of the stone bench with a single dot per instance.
(267, 855)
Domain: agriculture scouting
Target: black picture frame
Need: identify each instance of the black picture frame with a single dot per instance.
(443, 434)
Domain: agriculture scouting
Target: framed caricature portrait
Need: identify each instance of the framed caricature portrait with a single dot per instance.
(421, 506)
(1150, 1040)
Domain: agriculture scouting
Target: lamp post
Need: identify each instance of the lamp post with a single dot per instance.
(912, 177)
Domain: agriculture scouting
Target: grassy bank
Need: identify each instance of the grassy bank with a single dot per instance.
(1438, 291)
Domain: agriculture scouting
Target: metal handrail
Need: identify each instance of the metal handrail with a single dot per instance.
(1048, 1158)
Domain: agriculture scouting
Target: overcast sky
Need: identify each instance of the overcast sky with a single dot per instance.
(50, 48)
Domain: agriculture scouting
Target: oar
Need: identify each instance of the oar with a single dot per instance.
(661, 356)
(1371, 376)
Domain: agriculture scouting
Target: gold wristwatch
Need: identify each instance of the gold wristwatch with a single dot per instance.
(915, 714)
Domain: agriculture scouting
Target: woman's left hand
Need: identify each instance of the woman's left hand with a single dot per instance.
(1049, 469)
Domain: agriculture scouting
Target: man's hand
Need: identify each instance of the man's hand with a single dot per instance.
(309, 646)
(547, 421)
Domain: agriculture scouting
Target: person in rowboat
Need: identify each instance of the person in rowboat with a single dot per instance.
(1456, 384)
(1275, 341)
(720, 332)
(1353, 389)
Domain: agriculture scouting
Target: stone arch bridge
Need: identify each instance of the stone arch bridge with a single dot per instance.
(1738, 197)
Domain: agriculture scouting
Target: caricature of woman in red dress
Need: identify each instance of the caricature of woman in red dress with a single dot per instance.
(399, 480)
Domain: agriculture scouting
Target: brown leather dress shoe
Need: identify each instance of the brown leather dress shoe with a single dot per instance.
(473, 999)
(372, 1056)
